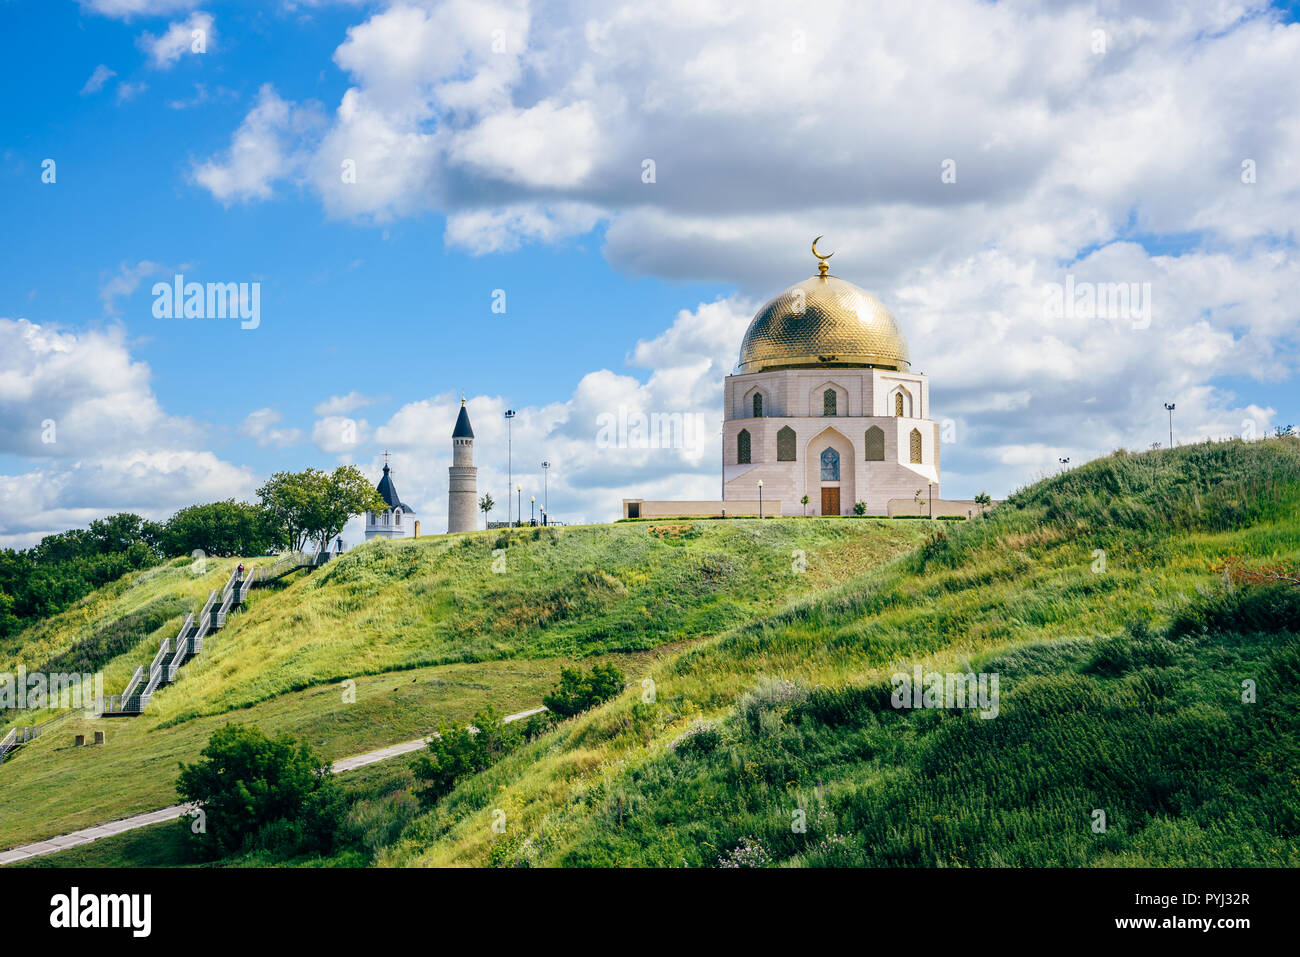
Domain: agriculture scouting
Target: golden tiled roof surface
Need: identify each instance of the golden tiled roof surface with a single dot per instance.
(823, 321)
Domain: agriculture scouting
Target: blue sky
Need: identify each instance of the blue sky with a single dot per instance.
(501, 147)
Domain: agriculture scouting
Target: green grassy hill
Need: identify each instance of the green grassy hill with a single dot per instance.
(1121, 692)
(431, 630)
(1098, 598)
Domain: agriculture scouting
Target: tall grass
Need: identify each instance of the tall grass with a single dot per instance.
(1121, 693)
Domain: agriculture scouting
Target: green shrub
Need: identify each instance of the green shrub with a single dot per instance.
(770, 696)
(258, 793)
(577, 692)
(455, 752)
(702, 737)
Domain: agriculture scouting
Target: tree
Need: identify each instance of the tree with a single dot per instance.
(287, 498)
(983, 498)
(314, 505)
(344, 493)
(454, 753)
(804, 502)
(485, 505)
(43, 580)
(859, 508)
(219, 528)
(577, 692)
(255, 791)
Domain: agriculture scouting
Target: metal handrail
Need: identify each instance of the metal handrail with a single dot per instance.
(30, 732)
(135, 680)
(189, 640)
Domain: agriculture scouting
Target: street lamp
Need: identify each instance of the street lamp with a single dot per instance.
(760, 498)
(519, 505)
(532, 512)
(546, 498)
(1065, 461)
(931, 484)
(510, 415)
(1170, 407)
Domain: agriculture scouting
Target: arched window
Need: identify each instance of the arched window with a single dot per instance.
(916, 445)
(758, 405)
(785, 445)
(830, 465)
(875, 444)
(742, 447)
(898, 403)
(397, 517)
(828, 402)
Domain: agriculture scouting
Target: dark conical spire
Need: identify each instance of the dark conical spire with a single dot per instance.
(462, 430)
(388, 491)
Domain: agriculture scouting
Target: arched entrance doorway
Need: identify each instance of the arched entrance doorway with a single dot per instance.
(830, 473)
(830, 476)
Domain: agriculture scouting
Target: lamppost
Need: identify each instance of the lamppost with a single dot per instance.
(760, 498)
(532, 512)
(510, 415)
(1170, 407)
(1064, 462)
(519, 505)
(546, 497)
(931, 485)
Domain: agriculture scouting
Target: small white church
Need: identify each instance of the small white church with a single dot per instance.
(394, 521)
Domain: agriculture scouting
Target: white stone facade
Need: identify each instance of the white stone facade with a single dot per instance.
(390, 523)
(899, 460)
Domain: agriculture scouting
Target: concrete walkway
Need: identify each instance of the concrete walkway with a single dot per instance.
(87, 835)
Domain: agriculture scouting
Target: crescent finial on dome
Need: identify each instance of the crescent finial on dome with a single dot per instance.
(821, 260)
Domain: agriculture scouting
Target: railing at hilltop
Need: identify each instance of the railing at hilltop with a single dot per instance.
(30, 732)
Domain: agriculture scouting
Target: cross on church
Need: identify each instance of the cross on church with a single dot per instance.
(386, 454)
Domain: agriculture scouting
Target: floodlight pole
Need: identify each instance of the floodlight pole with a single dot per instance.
(510, 415)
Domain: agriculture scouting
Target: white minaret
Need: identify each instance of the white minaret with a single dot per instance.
(462, 485)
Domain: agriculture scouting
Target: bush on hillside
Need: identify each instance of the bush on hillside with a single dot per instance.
(457, 752)
(577, 692)
(771, 694)
(260, 794)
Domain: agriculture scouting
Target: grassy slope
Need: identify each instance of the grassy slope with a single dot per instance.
(164, 845)
(426, 628)
(1121, 691)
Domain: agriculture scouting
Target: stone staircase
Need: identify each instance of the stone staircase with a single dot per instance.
(188, 643)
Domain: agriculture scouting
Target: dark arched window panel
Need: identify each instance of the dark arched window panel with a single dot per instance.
(785, 440)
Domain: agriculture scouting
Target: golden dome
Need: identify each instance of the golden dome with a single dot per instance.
(827, 322)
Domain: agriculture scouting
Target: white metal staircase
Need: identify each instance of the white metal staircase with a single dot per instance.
(17, 737)
(188, 643)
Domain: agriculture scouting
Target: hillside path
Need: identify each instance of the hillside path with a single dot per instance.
(87, 835)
